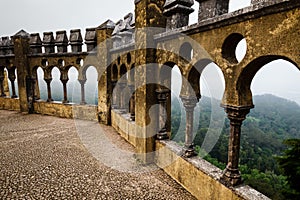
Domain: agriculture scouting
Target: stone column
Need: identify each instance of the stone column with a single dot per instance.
(64, 82)
(114, 98)
(132, 102)
(162, 96)
(48, 81)
(31, 94)
(189, 103)
(82, 83)
(2, 82)
(122, 86)
(231, 175)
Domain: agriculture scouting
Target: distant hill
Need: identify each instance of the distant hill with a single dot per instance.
(271, 121)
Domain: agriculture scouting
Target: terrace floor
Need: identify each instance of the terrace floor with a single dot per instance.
(43, 157)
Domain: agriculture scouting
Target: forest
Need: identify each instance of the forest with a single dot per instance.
(270, 134)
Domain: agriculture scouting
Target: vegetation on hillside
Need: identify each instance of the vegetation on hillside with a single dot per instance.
(263, 162)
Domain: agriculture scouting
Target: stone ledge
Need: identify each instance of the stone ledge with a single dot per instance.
(192, 173)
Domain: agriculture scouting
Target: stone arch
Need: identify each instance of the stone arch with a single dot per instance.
(186, 51)
(165, 72)
(194, 75)
(247, 74)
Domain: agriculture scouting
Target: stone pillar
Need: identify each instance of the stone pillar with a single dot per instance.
(177, 13)
(114, 97)
(5, 84)
(64, 82)
(162, 96)
(48, 81)
(132, 102)
(147, 14)
(82, 83)
(231, 175)
(189, 103)
(2, 78)
(21, 49)
(122, 86)
(104, 44)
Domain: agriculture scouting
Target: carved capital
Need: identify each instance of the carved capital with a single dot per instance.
(237, 114)
(162, 94)
(189, 102)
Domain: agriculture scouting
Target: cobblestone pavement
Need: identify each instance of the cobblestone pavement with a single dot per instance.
(42, 157)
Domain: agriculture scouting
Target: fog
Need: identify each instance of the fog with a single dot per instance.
(279, 78)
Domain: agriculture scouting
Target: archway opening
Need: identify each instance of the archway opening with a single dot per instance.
(12, 73)
(42, 84)
(91, 86)
(73, 86)
(275, 118)
(211, 138)
(178, 119)
(56, 85)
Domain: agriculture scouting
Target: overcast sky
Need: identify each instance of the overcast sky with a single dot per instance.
(53, 15)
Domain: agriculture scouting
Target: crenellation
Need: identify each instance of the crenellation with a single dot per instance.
(212, 8)
(76, 40)
(177, 13)
(91, 39)
(123, 33)
(61, 41)
(49, 42)
(4, 46)
(35, 43)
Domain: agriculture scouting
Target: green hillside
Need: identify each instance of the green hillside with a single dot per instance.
(272, 121)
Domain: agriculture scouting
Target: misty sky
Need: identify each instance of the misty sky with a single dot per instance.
(53, 15)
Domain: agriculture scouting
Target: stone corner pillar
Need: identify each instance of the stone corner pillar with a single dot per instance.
(22, 49)
(105, 85)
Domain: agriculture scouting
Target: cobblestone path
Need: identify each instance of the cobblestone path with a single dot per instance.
(43, 157)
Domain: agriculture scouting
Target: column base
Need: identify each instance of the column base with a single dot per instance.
(14, 96)
(83, 103)
(162, 135)
(65, 101)
(49, 100)
(132, 118)
(231, 177)
(189, 151)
